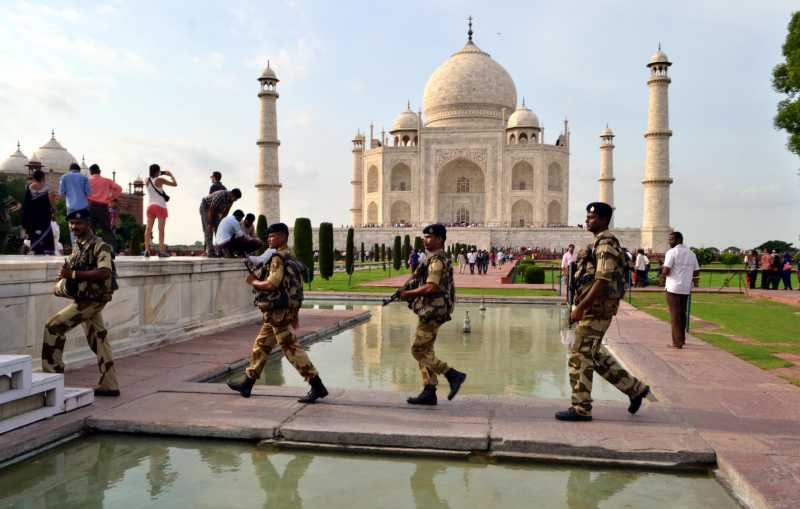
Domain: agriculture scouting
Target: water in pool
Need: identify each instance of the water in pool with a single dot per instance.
(118, 471)
(512, 349)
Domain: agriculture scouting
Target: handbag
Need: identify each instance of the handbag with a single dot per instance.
(160, 193)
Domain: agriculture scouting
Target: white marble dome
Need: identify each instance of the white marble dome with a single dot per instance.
(659, 57)
(469, 89)
(523, 117)
(269, 74)
(607, 132)
(405, 121)
(15, 163)
(54, 157)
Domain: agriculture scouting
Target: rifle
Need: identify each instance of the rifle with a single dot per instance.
(417, 278)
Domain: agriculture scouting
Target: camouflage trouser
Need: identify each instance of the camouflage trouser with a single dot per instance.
(588, 355)
(275, 330)
(422, 350)
(56, 328)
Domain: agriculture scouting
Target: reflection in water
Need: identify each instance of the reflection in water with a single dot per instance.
(110, 471)
(512, 349)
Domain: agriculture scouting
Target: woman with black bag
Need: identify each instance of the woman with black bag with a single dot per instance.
(158, 207)
(37, 211)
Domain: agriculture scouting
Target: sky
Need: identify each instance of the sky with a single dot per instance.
(129, 83)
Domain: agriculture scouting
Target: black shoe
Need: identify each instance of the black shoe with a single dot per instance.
(245, 387)
(571, 415)
(455, 378)
(426, 397)
(317, 391)
(636, 401)
(106, 392)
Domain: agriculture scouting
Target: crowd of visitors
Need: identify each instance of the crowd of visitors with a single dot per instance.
(774, 268)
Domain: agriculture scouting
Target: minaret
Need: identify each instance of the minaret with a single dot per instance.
(356, 209)
(268, 186)
(606, 179)
(655, 220)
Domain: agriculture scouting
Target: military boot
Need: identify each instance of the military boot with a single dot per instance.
(317, 391)
(244, 387)
(455, 378)
(571, 415)
(426, 397)
(636, 401)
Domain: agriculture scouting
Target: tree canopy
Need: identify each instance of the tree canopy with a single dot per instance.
(786, 80)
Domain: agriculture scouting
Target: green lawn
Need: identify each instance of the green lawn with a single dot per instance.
(767, 327)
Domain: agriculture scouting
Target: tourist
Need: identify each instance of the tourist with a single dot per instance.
(798, 272)
(87, 278)
(158, 207)
(766, 269)
(786, 271)
(279, 298)
(601, 285)
(75, 188)
(751, 263)
(462, 261)
(216, 183)
(777, 266)
(493, 259)
(421, 256)
(37, 214)
(680, 268)
(113, 217)
(104, 191)
(566, 262)
(413, 260)
(231, 241)
(249, 225)
(472, 257)
(433, 302)
(213, 208)
(641, 268)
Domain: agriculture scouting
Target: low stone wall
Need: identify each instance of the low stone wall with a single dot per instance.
(159, 301)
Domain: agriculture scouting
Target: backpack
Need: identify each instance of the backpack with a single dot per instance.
(290, 292)
(439, 306)
(616, 290)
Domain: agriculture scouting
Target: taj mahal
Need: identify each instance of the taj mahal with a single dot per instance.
(477, 159)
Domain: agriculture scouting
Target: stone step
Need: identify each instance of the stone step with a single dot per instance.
(15, 377)
(44, 398)
(77, 397)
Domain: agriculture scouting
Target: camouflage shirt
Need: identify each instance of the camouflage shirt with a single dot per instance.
(439, 305)
(603, 259)
(90, 253)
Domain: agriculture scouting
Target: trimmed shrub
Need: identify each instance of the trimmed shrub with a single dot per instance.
(363, 253)
(396, 253)
(418, 244)
(534, 274)
(304, 246)
(326, 255)
(349, 259)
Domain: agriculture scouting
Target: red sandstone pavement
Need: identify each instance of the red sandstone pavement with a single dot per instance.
(148, 372)
(791, 297)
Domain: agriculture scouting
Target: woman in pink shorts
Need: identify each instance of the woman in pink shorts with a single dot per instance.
(158, 206)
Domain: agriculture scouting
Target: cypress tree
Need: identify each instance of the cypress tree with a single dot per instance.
(406, 249)
(383, 255)
(396, 252)
(304, 246)
(261, 228)
(326, 250)
(349, 259)
(418, 244)
(363, 254)
(376, 253)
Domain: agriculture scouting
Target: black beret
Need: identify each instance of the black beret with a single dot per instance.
(601, 209)
(278, 228)
(82, 214)
(437, 229)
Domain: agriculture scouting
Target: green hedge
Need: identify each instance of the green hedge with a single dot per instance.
(533, 274)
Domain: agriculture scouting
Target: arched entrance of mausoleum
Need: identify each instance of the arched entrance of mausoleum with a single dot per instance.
(461, 193)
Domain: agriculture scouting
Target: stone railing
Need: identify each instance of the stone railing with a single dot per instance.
(159, 301)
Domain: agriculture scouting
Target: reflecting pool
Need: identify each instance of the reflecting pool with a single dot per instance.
(512, 349)
(118, 471)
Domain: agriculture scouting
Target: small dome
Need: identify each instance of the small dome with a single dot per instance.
(54, 157)
(405, 121)
(606, 132)
(659, 57)
(268, 74)
(15, 163)
(523, 117)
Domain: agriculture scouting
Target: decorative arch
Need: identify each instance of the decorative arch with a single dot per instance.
(523, 138)
(461, 185)
(372, 213)
(554, 213)
(372, 179)
(512, 140)
(401, 178)
(522, 176)
(521, 213)
(400, 213)
(554, 178)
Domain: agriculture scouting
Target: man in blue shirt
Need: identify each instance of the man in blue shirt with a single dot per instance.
(75, 187)
(231, 240)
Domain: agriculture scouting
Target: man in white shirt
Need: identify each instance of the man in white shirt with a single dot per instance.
(641, 268)
(680, 267)
(472, 257)
(230, 238)
(567, 260)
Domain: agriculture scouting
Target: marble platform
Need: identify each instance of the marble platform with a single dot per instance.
(160, 301)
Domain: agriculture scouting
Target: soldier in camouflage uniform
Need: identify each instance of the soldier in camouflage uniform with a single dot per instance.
(432, 300)
(88, 278)
(280, 307)
(600, 283)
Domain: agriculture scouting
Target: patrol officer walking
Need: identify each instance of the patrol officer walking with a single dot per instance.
(279, 298)
(87, 278)
(600, 284)
(433, 301)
